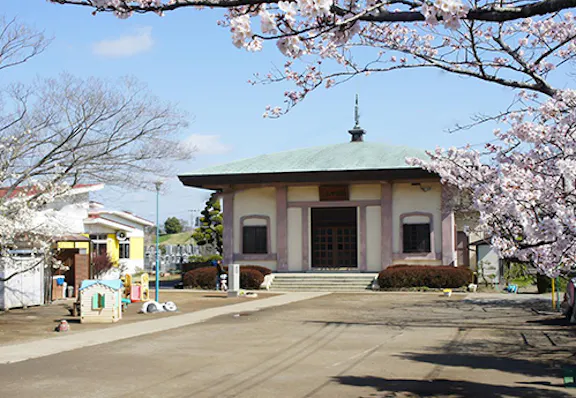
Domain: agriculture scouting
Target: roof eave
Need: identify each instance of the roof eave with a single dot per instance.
(216, 181)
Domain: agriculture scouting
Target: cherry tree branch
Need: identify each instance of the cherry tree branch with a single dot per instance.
(491, 13)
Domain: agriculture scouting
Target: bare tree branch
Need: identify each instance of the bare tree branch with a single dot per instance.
(19, 43)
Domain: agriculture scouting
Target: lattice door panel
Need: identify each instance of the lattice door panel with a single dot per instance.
(323, 247)
(334, 247)
(346, 247)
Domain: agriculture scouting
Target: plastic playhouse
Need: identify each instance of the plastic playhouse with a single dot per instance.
(101, 301)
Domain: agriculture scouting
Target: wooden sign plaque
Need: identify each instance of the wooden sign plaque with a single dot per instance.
(333, 192)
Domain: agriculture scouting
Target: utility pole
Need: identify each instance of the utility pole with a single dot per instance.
(158, 185)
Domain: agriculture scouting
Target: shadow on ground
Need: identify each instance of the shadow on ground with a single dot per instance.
(441, 387)
(500, 363)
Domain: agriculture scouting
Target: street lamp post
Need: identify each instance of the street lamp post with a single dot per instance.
(158, 185)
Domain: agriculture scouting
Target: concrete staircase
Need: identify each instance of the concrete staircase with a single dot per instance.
(322, 282)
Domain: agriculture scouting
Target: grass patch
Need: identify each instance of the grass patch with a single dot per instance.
(171, 277)
(183, 238)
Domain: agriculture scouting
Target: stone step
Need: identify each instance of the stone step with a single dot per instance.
(323, 280)
(323, 277)
(331, 282)
(338, 278)
(327, 274)
(299, 281)
(316, 289)
(323, 288)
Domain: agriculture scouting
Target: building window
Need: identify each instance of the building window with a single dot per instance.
(254, 240)
(99, 244)
(416, 238)
(125, 250)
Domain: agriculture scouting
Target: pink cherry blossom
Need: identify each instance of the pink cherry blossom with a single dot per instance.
(524, 187)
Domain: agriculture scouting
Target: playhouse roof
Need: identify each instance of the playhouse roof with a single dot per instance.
(115, 284)
(364, 157)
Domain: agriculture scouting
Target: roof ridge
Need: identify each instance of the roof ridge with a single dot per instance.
(333, 157)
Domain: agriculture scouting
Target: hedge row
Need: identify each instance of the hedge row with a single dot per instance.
(186, 267)
(431, 276)
(190, 266)
(251, 277)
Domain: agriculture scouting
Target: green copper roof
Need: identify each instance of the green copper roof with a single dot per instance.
(339, 157)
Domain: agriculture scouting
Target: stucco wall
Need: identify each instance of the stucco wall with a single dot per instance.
(268, 264)
(295, 239)
(365, 191)
(136, 248)
(408, 198)
(75, 245)
(113, 247)
(255, 202)
(303, 194)
(373, 239)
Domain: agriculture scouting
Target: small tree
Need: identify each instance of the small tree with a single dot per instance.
(172, 225)
(101, 264)
(210, 232)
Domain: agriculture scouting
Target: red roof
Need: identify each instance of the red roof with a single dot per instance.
(32, 190)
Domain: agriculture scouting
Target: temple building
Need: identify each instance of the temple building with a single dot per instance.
(355, 206)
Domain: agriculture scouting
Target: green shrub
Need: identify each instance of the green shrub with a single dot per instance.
(545, 284)
(251, 277)
(430, 276)
(204, 259)
(263, 270)
(519, 274)
(204, 278)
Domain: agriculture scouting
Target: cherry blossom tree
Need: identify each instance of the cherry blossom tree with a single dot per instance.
(524, 185)
(515, 44)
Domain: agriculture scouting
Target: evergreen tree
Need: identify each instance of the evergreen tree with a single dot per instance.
(211, 228)
(172, 225)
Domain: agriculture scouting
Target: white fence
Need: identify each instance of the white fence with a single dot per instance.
(26, 287)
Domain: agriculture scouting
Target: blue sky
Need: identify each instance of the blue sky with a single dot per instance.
(186, 58)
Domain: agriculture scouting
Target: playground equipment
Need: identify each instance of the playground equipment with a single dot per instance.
(136, 291)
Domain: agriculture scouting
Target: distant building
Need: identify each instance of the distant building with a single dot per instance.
(94, 230)
(87, 229)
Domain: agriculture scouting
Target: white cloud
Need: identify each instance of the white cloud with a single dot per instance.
(125, 46)
(207, 144)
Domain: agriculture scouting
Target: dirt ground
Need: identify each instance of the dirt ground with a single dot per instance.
(19, 325)
(388, 345)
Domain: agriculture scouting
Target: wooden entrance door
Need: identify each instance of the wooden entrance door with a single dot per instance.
(334, 238)
(462, 249)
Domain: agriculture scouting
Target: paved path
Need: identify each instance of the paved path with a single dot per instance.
(40, 348)
(338, 345)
